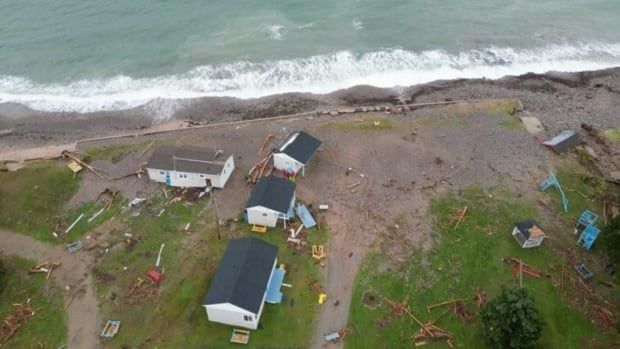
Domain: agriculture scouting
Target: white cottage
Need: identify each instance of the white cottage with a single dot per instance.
(190, 166)
(295, 152)
(272, 199)
(238, 292)
(528, 234)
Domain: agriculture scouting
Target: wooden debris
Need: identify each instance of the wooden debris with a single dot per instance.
(267, 139)
(459, 309)
(138, 173)
(14, 321)
(262, 167)
(69, 155)
(605, 316)
(74, 223)
(430, 332)
(458, 215)
(141, 291)
(449, 301)
(480, 298)
(45, 267)
(145, 149)
(519, 266)
(353, 185)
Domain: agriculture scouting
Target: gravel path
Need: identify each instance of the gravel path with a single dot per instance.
(83, 312)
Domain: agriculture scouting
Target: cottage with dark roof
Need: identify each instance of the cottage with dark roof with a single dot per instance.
(190, 166)
(272, 199)
(245, 279)
(295, 152)
(528, 234)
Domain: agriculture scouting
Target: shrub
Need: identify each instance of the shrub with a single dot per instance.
(511, 320)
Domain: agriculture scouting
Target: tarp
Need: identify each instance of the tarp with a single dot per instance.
(306, 218)
(274, 296)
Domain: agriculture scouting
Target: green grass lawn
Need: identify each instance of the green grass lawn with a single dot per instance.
(460, 262)
(32, 198)
(367, 124)
(177, 319)
(48, 327)
(613, 134)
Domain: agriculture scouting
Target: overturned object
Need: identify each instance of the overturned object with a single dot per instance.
(564, 142)
(528, 234)
(110, 329)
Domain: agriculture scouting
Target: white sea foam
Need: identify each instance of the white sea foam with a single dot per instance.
(317, 74)
(275, 32)
(357, 24)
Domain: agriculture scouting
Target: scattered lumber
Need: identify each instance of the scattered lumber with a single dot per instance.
(265, 142)
(262, 167)
(520, 267)
(604, 316)
(353, 185)
(68, 154)
(45, 267)
(138, 173)
(458, 215)
(141, 291)
(14, 321)
(146, 149)
(459, 309)
(430, 332)
(449, 301)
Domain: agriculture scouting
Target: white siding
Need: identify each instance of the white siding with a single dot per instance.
(284, 162)
(262, 216)
(232, 315)
(198, 180)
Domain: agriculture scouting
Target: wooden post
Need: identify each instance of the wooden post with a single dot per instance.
(520, 273)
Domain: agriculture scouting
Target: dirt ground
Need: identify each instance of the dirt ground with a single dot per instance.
(84, 318)
(426, 153)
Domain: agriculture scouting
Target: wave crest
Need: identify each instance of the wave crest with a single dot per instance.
(316, 74)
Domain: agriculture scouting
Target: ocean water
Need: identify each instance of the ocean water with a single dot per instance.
(69, 55)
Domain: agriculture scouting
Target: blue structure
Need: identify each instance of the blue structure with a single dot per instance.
(274, 296)
(587, 217)
(588, 236)
(552, 181)
(305, 216)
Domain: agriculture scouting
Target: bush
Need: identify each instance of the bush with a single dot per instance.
(511, 320)
(610, 239)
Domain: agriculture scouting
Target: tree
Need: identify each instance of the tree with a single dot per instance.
(610, 239)
(511, 320)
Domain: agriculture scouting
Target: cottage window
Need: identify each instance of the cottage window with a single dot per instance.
(202, 176)
(162, 173)
(247, 318)
(183, 175)
(264, 215)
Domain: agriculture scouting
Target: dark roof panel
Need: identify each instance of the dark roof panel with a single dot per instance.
(243, 274)
(300, 146)
(525, 226)
(272, 192)
(188, 159)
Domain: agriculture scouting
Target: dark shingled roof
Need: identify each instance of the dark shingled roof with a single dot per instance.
(300, 146)
(187, 159)
(525, 226)
(243, 274)
(272, 192)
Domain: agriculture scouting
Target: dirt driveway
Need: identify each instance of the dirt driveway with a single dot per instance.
(83, 312)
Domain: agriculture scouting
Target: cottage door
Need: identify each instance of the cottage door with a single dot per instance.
(167, 178)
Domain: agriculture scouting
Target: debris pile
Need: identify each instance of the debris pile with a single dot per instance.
(142, 291)
(604, 316)
(263, 167)
(459, 309)
(45, 267)
(14, 321)
(520, 267)
(457, 216)
(480, 298)
(430, 332)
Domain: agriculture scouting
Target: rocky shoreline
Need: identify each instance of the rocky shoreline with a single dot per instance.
(560, 100)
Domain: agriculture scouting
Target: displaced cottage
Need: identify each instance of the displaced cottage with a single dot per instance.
(245, 279)
(528, 234)
(295, 152)
(190, 166)
(272, 199)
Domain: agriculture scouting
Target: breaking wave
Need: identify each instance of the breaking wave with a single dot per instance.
(316, 74)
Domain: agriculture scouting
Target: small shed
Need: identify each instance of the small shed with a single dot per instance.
(238, 291)
(295, 152)
(271, 200)
(528, 234)
(190, 166)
